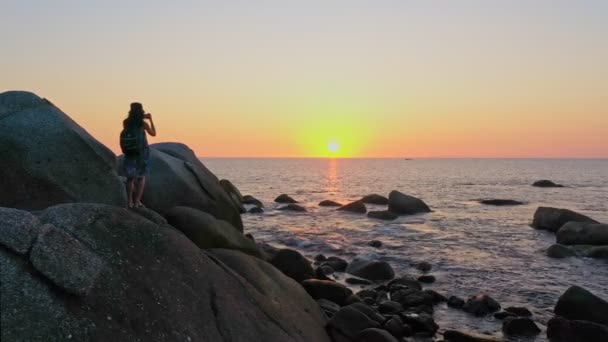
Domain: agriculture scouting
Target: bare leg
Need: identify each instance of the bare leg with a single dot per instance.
(141, 184)
(130, 190)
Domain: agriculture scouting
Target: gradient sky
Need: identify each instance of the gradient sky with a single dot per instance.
(381, 78)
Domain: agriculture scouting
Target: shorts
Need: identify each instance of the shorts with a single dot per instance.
(137, 167)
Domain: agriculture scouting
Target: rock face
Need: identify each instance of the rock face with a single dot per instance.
(292, 264)
(178, 178)
(354, 207)
(375, 199)
(578, 233)
(552, 219)
(233, 192)
(403, 204)
(501, 202)
(102, 273)
(49, 159)
(579, 304)
(285, 199)
(208, 232)
(328, 203)
(382, 215)
(544, 183)
(371, 269)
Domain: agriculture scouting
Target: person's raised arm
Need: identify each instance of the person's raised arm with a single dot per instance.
(150, 128)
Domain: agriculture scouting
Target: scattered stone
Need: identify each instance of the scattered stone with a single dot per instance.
(403, 204)
(256, 210)
(428, 279)
(461, 336)
(328, 203)
(320, 257)
(293, 207)
(481, 305)
(563, 330)
(560, 251)
(519, 326)
(357, 281)
(552, 219)
(519, 311)
(409, 298)
(579, 233)
(371, 269)
(324, 289)
(406, 281)
(437, 297)
(456, 302)
(504, 314)
(375, 199)
(382, 215)
(420, 323)
(579, 304)
(395, 327)
(284, 198)
(338, 264)
(544, 183)
(424, 266)
(248, 199)
(292, 264)
(501, 202)
(321, 274)
(375, 243)
(390, 307)
(354, 207)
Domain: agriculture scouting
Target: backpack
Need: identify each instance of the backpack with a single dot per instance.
(131, 141)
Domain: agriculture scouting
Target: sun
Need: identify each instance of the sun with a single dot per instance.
(333, 147)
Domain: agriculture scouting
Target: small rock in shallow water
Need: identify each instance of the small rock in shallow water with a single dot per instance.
(426, 279)
(256, 210)
(456, 302)
(375, 243)
(338, 264)
(544, 183)
(371, 269)
(481, 305)
(560, 251)
(248, 199)
(519, 326)
(293, 207)
(503, 315)
(500, 202)
(519, 311)
(382, 215)
(437, 297)
(285, 199)
(354, 207)
(320, 257)
(424, 266)
(328, 203)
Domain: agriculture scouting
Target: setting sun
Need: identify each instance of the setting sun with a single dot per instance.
(333, 147)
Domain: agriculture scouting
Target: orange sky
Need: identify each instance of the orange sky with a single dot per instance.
(393, 79)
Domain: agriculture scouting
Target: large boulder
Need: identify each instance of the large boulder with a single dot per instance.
(179, 178)
(403, 204)
(102, 273)
(562, 330)
(48, 159)
(579, 233)
(208, 232)
(579, 304)
(371, 269)
(293, 264)
(552, 219)
(233, 192)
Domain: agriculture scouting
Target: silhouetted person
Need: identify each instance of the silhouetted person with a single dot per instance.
(134, 145)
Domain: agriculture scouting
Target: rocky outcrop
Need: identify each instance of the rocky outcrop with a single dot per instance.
(284, 198)
(48, 159)
(579, 304)
(384, 215)
(500, 202)
(354, 207)
(552, 219)
(233, 192)
(292, 264)
(579, 233)
(328, 203)
(180, 179)
(374, 199)
(544, 183)
(371, 269)
(403, 204)
(96, 272)
(208, 232)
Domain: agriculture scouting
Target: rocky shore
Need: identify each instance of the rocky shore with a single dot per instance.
(76, 265)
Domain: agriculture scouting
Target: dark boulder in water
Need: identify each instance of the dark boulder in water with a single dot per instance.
(293, 207)
(424, 266)
(354, 207)
(552, 219)
(579, 304)
(293, 264)
(375, 199)
(390, 307)
(284, 198)
(456, 302)
(481, 305)
(248, 199)
(519, 326)
(500, 202)
(382, 215)
(560, 251)
(407, 281)
(325, 289)
(375, 244)
(338, 264)
(256, 210)
(371, 269)
(597, 252)
(579, 233)
(562, 330)
(48, 159)
(403, 204)
(328, 203)
(426, 279)
(519, 311)
(544, 183)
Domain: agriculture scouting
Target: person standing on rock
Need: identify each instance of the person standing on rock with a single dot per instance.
(134, 145)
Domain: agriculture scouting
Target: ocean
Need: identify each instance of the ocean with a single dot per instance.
(473, 248)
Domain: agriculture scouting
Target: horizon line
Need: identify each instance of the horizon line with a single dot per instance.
(406, 158)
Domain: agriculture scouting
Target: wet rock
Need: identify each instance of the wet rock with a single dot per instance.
(208, 232)
(456, 302)
(426, 279)
(292, 264)
(396, 327)
(284, 198)
(412, 298)
(256, 210)
(375, 243)
(371, 269)
(338, 264)
(406, 281)
(420, 323)
(324, 289)
(390, 307)
(403, 204)
(293, 207)
(437, 297)
(580, 233)
(504, 314)
(560, 251)
(248, 199)
(562, 330)
(382, 215)
(375, 199)
(462, 336)
(579, 304)
(519, 326)
(552, 219)
(328, 203)
(544, 183)
(354, 207)
(328, 307)
(347, 323)
(501, 202)
(375, 335)
(519, 311)
(357, 281)
(424, 266)
(481, 305)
